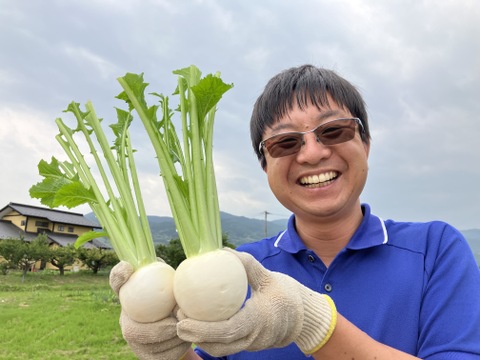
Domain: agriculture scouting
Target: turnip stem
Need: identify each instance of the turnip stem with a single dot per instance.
(123, 215)
(192, 194)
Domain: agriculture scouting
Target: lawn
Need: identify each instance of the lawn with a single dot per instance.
(48, 316)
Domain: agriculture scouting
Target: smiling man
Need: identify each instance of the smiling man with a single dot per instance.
(339, 282)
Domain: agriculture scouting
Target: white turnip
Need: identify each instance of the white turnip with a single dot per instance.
(147, 296)
(211, 286)
(114, 195)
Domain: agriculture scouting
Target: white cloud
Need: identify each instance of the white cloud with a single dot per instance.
(7, 78)
(416, 62)
(25, 137)
(106, 69)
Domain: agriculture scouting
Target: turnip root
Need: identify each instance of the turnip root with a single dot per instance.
(211, 286)
(147, 296)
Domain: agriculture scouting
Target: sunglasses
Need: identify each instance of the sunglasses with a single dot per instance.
(330, 133)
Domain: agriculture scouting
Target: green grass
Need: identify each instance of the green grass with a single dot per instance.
(49, 316)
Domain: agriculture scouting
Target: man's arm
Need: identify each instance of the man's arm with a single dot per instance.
(191, 355)
(281, 311)
(349, 342)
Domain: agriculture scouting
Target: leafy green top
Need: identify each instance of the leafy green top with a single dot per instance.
(186, 166)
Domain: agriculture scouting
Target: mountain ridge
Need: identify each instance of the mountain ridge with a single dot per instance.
(241, 229)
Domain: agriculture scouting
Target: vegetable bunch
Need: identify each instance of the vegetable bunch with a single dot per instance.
(186, 162)
(216, 278)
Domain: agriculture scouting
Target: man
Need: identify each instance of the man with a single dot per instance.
(341, 282)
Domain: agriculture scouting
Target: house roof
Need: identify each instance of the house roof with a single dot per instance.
(53, 215)
(10, 231)
(67, 239)
(102, 243)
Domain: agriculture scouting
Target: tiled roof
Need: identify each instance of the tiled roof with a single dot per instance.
(10, 231)
(66, 239)
(56, 216)
(102, 243)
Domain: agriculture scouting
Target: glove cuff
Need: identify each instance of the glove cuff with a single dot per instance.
(320, 319)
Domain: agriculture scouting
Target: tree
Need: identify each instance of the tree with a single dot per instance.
(60, 257)
(21, 254)
(4, 267)
(226, 243)
(173, 253)
(8, 250)
(96, 259)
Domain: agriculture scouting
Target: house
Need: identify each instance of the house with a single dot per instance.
(61, 227)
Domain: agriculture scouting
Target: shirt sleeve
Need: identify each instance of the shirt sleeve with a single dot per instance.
(450, 312)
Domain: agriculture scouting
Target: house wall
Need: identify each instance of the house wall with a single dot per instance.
(16, 219)
(35, 225)
(70, 229)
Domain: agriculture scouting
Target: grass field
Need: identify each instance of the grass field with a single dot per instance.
(49, 316)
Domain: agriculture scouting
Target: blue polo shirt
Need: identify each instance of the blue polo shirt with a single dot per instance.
(412, 286)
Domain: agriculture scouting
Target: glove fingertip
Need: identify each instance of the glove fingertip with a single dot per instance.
(179, 314)
(255, 270)
(184, 331)
(244, 257)
(119, 275)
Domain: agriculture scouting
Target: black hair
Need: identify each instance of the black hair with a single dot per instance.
(303, 85)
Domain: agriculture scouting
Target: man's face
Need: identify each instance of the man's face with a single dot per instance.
(317, 181)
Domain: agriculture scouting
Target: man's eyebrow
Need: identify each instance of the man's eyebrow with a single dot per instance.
(330, 113)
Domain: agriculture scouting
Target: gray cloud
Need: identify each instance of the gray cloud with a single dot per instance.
(416, 62)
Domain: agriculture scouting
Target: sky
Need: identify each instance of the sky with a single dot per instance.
(416, 62)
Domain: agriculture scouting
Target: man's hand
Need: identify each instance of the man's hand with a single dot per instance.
(149, 341)
(280, 311)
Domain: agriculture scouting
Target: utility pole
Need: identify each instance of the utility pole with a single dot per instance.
(266, 222)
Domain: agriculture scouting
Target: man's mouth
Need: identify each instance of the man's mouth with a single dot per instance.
(320, 180)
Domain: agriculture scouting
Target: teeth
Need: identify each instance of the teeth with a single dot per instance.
(317, 179)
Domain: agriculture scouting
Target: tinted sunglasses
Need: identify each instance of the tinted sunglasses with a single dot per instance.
(330, 133)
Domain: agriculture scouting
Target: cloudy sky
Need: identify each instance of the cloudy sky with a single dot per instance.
(417, 63)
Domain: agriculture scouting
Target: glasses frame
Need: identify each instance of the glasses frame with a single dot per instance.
(261, 146)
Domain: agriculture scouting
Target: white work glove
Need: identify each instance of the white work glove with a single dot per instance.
(280, 311)
(149, 341)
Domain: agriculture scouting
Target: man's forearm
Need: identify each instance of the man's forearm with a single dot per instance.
(349, 342)
(190, 355)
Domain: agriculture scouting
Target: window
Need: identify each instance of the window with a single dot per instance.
(23, 223)
(71, 229)
(61, 228)
(43, 224)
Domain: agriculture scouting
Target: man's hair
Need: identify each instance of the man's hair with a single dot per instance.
(301, 86)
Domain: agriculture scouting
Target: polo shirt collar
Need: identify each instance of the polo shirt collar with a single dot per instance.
(371, 232)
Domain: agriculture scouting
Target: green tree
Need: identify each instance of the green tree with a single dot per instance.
(173, 254)
(226, 243)
(21, 254)
(8, 250)
(61, 257)
(96, 259)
